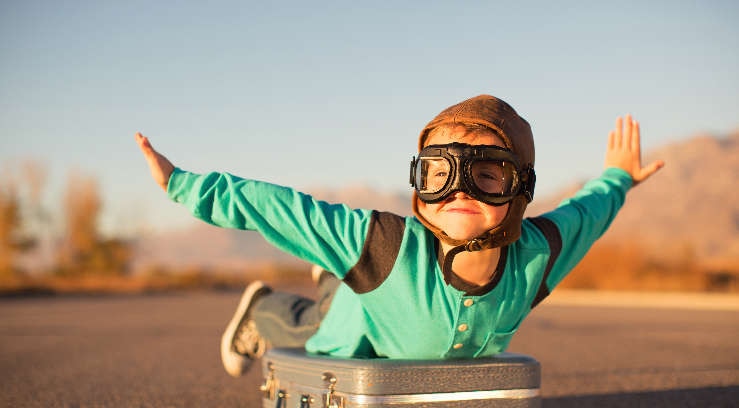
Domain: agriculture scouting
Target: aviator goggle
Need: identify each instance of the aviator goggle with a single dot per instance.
(487, 173)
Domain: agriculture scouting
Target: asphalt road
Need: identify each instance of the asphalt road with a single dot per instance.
(162, 351)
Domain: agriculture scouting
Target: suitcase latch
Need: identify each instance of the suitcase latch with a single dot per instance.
(330, 399)
(305, 401)
(270, 383)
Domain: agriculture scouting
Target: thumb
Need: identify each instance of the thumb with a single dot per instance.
(648, 170)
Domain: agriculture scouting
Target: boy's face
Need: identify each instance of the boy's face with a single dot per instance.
(459, 215)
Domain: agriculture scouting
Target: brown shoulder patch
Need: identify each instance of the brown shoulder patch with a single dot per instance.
(380, 251)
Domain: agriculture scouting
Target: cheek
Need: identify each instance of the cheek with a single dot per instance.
(498, 213)
(427, 210)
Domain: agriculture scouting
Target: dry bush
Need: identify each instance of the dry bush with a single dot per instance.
(83, 250)
(9, 224)
(627, 266)
(19, 203)
(81, 209)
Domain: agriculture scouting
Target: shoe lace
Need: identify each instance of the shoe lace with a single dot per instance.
(248, 341)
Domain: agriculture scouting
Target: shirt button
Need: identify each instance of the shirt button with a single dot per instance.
(462, 327)
(457, 346)
(468, 302)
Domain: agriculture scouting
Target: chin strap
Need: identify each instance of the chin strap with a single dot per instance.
(500, 236)
(476, 244)
(446, 267)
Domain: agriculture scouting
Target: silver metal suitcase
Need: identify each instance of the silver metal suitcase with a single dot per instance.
(294, 378)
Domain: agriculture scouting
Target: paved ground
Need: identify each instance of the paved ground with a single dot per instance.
(162, 351)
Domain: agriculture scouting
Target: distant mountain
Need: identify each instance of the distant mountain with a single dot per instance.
(203, 245)
(690, 205)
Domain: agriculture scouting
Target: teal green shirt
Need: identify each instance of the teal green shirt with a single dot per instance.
(396, 303)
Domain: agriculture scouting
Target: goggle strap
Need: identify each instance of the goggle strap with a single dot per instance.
(413, 172)
(529, 184)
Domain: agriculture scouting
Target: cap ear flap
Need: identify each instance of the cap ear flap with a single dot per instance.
(509, 229)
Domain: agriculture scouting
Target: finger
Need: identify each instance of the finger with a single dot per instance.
(636, 138)
(144, 144)
(141, 140)
(611, 140)
(628, 131)
(618, 132)
(650, 169)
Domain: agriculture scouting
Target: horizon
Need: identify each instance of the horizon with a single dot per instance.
(292, 93)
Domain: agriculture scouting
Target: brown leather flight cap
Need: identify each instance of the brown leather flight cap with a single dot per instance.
(515, 131)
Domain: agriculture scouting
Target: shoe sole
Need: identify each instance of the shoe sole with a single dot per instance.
(235, 363)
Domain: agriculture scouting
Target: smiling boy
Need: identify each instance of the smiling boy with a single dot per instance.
(453, 281)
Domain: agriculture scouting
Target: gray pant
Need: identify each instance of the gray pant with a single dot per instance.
(289, 320)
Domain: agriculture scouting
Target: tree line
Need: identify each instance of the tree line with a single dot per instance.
(78, 249)
(74, 247)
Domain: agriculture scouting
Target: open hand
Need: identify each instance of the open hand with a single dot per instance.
(160, 167)
(624, 150)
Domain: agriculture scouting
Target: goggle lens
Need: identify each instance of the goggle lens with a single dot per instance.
(432, 174)
(493, 177)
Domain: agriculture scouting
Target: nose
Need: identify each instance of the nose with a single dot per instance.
(458, 195)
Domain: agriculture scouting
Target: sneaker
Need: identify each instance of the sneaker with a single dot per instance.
(241, 343)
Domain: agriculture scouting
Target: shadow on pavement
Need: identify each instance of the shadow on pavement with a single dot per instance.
(687, 397)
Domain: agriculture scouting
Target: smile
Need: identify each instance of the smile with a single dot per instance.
(463, 210)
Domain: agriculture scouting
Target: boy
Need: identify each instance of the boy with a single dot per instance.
(454, 281)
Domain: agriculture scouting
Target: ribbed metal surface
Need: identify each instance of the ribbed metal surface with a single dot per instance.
(507, 380)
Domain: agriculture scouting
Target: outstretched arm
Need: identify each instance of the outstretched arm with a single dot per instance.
(160, 167)
(624, 150)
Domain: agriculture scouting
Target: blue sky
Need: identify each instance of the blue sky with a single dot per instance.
(334, 93)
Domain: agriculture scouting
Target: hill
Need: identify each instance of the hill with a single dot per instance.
(689, 205)
(205, 246)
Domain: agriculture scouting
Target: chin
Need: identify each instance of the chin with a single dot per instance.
(465, 235)
(465, 228)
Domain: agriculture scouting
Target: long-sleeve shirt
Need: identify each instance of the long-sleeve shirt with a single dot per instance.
(395, 302)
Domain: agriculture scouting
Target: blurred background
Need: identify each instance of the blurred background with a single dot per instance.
(329, 98)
